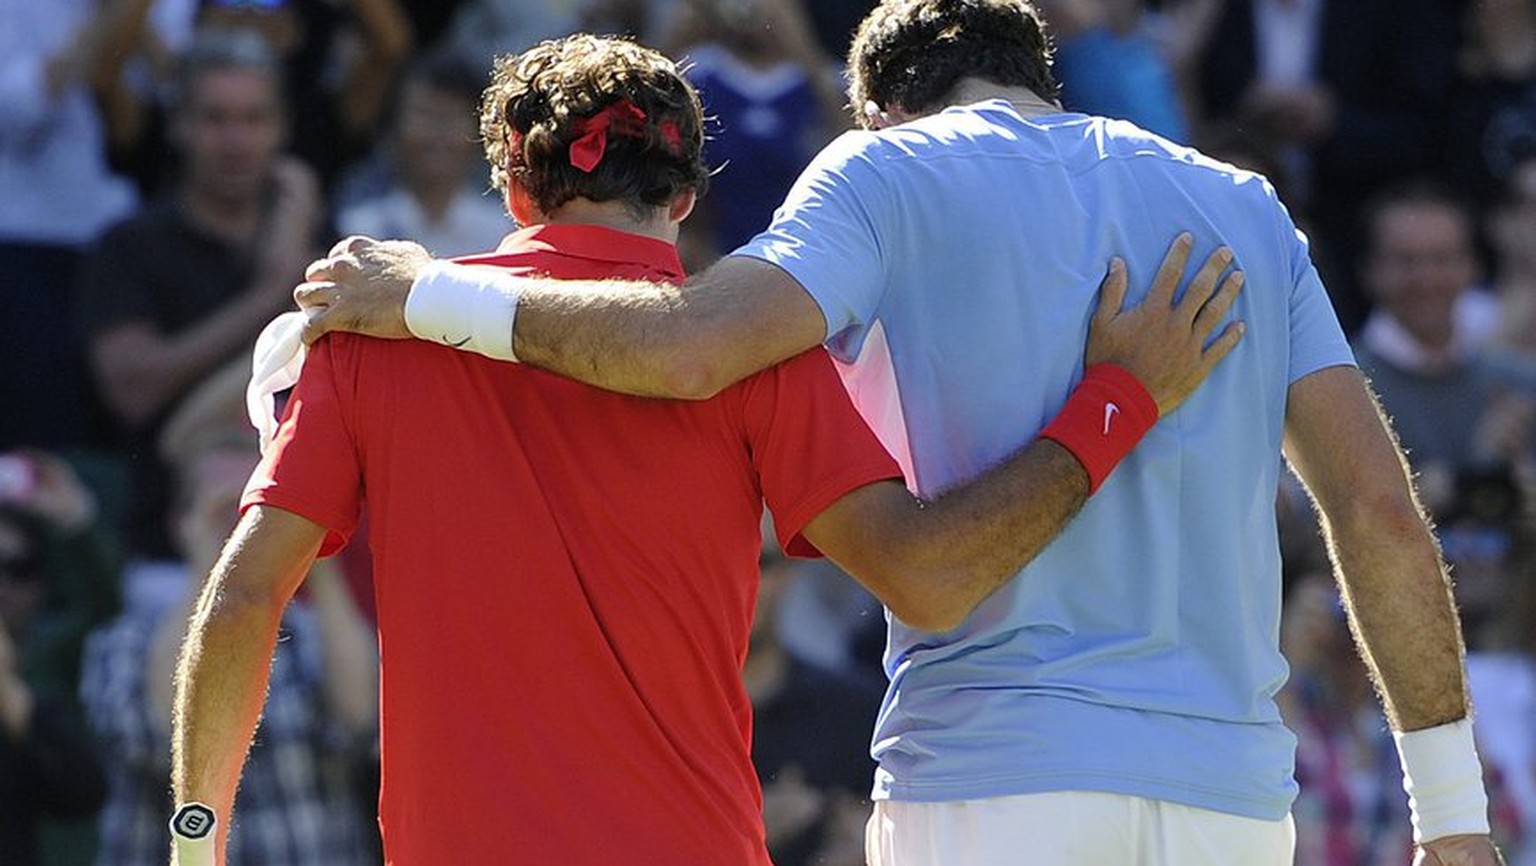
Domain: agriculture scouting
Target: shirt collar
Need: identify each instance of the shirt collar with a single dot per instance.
(597, 243)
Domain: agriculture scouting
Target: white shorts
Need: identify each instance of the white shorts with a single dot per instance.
(1071, 828)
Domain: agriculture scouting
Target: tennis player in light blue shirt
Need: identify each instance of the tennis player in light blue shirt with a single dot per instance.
(1112, 703)
(1141, 643)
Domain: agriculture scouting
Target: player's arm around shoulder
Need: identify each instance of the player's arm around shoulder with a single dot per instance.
(690, 342)
(931, 562)
(221, 678)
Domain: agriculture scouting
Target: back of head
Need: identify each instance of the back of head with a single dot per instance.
(910, 54)
(591, 117)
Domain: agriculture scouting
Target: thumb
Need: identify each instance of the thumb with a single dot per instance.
(317, 322)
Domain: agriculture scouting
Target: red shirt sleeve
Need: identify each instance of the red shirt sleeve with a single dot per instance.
(809, 445)
(312, 468)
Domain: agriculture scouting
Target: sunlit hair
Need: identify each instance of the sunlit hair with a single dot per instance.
(540, 102)
(910, 54)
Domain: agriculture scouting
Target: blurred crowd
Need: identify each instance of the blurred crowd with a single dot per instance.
(169, 167)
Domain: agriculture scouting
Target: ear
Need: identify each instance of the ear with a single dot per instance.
(520, 204)
(682, 205)
(876, 117)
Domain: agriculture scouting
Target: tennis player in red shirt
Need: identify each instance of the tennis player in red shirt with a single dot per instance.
(565, 576)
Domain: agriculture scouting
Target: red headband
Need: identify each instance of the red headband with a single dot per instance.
(624, 118)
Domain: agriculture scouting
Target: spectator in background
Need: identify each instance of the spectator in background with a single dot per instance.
(1492, 125)
(298, 804)
(1512, 236)
(775, 98)
(189, 282)
(338, 60)
(1109, 64)
(1350, 810)
(48, 768)
(1352, 88)
(56, 195)
(810, 736)
(1457, 405)
(437, 198)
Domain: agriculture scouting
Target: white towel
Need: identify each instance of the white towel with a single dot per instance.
(275, 366)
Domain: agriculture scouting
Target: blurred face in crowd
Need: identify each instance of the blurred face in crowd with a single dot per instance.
(1421, 260)
(1514, 224)
(210, 502)
(230, 129)
(436, 135)
(21, 583)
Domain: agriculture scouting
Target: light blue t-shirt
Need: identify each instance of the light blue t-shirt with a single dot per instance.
(957, 260)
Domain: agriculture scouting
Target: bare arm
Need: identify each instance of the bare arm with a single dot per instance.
(1388, 567)
(932, 562)
(738, 317)
(349, 651)
(387, 38)
(1385, 558)
(227, 657)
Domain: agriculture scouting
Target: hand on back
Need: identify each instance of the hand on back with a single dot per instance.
(1168, 345)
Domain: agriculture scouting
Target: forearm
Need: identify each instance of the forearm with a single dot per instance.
(143, 371)
(348, 652)
(221, 678)
(932, 562)
(221, 684)
(658, 340)
(1402, 614)
(387, 40)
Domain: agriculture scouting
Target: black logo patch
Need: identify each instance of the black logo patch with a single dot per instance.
(193, 821)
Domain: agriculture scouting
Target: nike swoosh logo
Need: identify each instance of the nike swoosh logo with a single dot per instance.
(1109, 414)
(457, 345)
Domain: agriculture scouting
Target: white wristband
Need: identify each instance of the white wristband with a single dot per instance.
(1444, 781)
(466, 307)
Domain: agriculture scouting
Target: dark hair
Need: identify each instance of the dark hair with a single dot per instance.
(449, 73)
(215, 50)
(537, 101)
(1414, 192)
(911, 53)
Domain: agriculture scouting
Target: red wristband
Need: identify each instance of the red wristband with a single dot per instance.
(1106, 415)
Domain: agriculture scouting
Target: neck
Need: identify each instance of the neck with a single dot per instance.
(235, 220)
(616, 216)
(1026, 101)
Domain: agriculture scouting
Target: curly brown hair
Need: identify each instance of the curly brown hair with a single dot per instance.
(910, 54)
(539, 102)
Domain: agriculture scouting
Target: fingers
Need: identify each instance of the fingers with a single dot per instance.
(1171, 272)
(1111, 291)
(1215, 309)
(351, 245)
(1200, 288)
(334, 268)
(314, 294)
(1223, 345)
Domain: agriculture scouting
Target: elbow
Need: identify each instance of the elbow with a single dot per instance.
(932, 614)
(691, 379)
(925, 599)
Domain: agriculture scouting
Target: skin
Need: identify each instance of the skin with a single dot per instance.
(231, 132)
(742, 315)
(931, 562)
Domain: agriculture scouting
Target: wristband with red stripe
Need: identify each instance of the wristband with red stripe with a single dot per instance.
(1103, 419)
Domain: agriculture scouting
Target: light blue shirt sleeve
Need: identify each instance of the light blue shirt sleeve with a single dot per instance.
(828, 236)
(1317, 340)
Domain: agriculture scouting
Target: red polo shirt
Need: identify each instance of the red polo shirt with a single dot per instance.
(565, 578)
